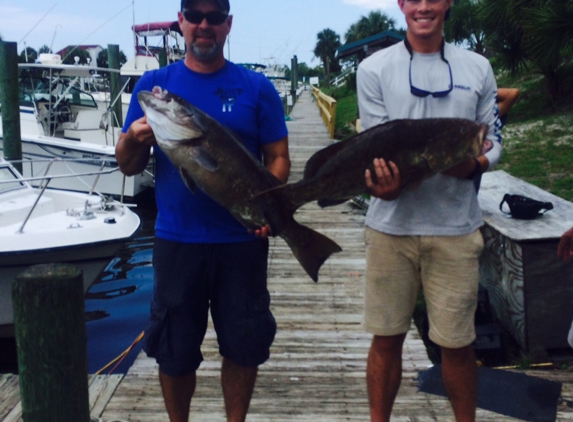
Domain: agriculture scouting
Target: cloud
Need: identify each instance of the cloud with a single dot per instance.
(372, 4)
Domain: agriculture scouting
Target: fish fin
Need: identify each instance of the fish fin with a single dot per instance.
(320, 157)
(310, 248)
(188, 180)
(204, 158)
(323, 203)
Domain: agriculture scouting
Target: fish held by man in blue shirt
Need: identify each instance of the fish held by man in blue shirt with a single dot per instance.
(210, 157)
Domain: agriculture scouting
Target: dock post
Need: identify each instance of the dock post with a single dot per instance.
(162, 58)
(49, 320)
(115, 81)
(294, 78)
(9, 98)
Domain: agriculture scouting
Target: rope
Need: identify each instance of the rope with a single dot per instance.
(122, 356)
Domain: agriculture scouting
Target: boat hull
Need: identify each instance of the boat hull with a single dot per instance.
(80, 158)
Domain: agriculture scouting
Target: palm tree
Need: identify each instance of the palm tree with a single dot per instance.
(373, 24)
(535, 34)
(464, 26)
(326, 46)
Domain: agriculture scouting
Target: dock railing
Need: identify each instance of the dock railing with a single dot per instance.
(327, 107)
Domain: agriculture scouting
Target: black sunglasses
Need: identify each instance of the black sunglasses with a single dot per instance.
(422, 92)
(213, 18)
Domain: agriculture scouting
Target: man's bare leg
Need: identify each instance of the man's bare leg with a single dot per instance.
(460, 375)
(384, 375)
(238, 383)
(177, 394)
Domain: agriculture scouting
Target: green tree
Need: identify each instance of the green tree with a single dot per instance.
(28, 55)
(373, 24)
(103, 61)
(44, 49)
(465, 27)
(534, 35)
(74, 51)
(307, 72)
(326, 46)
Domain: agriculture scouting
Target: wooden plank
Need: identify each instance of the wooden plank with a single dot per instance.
(101, 388)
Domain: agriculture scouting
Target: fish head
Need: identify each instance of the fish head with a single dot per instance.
(172, 119)
(452, 141)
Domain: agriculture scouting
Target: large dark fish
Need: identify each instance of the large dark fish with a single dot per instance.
(420, 148)
(211, 157)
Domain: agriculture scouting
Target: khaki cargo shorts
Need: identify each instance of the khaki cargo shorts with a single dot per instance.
(446, 267)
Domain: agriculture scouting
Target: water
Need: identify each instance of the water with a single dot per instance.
(117, 304)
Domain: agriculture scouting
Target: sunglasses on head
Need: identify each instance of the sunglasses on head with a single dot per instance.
(213, 18)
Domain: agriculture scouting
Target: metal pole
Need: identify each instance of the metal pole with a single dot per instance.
(10, 101)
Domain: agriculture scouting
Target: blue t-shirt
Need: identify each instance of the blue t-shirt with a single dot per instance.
(242, 100)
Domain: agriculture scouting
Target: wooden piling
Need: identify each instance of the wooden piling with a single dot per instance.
(49, 319)
(294, 78)
(10, 103)
(162, 58)
(115, 82)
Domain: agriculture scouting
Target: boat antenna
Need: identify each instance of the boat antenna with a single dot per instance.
(133, 27)
(37, 23)
(54, 36)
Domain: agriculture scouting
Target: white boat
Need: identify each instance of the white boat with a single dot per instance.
(169, 43)
(58, 119)
(44, 225)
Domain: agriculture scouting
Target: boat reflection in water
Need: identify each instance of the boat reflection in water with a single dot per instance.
(117, 304)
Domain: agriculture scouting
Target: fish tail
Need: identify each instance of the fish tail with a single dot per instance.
(309, 247)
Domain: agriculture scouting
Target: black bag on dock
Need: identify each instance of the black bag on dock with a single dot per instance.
(524, 208)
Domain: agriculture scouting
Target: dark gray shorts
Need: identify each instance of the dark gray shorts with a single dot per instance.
(231, 279)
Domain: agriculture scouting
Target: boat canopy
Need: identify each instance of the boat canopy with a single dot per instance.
(155, 29)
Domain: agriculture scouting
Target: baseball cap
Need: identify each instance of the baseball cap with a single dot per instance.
(222, 4)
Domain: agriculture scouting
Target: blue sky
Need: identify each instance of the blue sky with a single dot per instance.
(264, 31)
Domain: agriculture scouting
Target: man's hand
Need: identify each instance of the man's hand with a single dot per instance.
(388, 183)
(133, 148)
(565, 247)
(141, 132)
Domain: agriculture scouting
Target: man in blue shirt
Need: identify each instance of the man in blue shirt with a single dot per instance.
(203, 258)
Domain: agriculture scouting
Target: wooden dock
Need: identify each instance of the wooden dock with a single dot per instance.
(317, 367)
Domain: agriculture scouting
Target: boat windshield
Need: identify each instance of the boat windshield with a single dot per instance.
(9, 180)
(35, 89)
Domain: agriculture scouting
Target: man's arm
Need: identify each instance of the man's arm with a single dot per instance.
(134, 147)
(276, 158)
